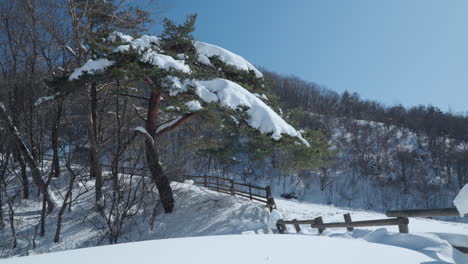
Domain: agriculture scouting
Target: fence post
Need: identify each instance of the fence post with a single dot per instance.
(205, 181)
(232, 187)
(217, 184)
(347, 219)
(403, 225)
(296, 226)
(280, 226)
(319, 224)
(270, 200)
(250, 191)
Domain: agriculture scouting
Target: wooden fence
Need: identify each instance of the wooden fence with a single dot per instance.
(401, 222)
(229, 186)
(441, 212)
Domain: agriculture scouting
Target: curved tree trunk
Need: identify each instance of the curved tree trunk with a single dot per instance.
(152, 155)
(159, 177)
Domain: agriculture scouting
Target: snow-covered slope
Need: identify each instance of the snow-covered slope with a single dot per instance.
(201, 212)
(377, 167)
(255, 249)
(430, 237)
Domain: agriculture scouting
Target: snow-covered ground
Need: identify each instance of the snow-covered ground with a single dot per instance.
(255, 249)
(430, 237)
(201, 212)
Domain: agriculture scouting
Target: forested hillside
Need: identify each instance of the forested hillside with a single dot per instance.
(91, 105)
(410, 157)
(99, 118)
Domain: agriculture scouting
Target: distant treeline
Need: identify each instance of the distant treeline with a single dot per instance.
(311, 97)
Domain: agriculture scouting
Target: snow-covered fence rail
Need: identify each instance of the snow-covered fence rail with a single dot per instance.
(401, 222)
(229, 186)
(441, 212)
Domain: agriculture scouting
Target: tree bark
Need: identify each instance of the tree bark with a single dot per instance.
(94, 164)
(152, 156)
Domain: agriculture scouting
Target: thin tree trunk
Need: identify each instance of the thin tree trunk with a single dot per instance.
(43, 217)
(94, 165)
(12, 223)
(152, 156)
(55, 141)
(24, 178)
(35, 172)
(11, 210)
(64, 205)
(1, 210)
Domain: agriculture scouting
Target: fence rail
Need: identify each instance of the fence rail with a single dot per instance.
(401, 222)
(229, 186)
(441, 212)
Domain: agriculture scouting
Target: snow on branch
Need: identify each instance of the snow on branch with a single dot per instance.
(148, 47)
(206, 51)
(45, 99)
(231, 95)
(144, 132)
(164, 61)
(91, 67)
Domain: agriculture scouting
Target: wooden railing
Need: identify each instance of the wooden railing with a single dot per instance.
(229, 186)
(441, 212)
(401, 222)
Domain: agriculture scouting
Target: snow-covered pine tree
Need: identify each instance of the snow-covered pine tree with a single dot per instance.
(184, 79)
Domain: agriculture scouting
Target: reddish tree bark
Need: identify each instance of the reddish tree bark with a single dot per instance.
(152, 155)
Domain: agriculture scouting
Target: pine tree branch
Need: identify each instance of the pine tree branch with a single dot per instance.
(134, 96)
(138, 114)
(179, 122)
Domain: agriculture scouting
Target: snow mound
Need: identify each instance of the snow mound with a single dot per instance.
(420, 239)
(262, 117)
(271, 249)
(428, 244)
(461, 201)
(91, 67)
(210, 50)
(274, 216)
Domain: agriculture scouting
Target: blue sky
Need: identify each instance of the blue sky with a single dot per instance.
(394, 51)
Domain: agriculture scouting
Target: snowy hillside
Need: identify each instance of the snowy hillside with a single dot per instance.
(377, 167)
(200, 212)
